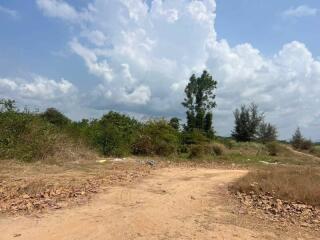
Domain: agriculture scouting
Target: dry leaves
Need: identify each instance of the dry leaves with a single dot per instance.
(39, 194)
(282, 211)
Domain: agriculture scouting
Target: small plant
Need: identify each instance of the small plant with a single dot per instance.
(196, 151)
(273, 148)
(299, 142)
(218, 148)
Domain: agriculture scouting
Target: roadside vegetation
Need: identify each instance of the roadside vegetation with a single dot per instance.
(51, 136)
(290, 183)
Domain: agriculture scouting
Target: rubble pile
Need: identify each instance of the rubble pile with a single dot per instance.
(36, 195)
(282, 211)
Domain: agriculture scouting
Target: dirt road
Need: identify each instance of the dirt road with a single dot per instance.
(173, 203)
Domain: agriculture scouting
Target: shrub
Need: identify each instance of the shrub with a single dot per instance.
(267, 132)
(273, 148)
(28, 137)
(196, 151)
(55, 117)
(114, 134)
(201, 150)
(306, 145)
(229, 143)
(299, 142)
(315, 150)
(157, 137)
(217, 148)
(194, 137)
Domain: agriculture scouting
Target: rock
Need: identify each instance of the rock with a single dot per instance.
(151, 163)
(25, 196)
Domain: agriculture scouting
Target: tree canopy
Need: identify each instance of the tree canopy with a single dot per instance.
(199, 101)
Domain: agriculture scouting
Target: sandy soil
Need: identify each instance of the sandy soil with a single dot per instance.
(172, 203)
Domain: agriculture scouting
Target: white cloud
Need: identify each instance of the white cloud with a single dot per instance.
(7, 85)
(171, 15)
(96, 67)
(8, 11)
(39, 88)
(96, 37)
(144, 56)
(61, 9)
(300, 11)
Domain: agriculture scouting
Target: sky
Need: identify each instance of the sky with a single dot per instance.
(86, 57)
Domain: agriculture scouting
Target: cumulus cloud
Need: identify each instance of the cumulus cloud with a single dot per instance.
(300, 11)
(144, 54)
(61, 9)
(39, 88)
(10, 12)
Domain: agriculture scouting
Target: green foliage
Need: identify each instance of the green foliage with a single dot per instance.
(194, 136)
(273, 148)
(218, 148)
(247, 121)
(157, 137)
(297, 139)
(114, 134)
(25, 136)
(299, 142)
(315, 150)
(55, 117)
(228, 142)
(196, 151)
(206, 150)
(199, 101)
(175, 123)
(266, 132)
(250, 125)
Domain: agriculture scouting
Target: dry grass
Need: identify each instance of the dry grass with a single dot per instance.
(315, 150)
(296, 184)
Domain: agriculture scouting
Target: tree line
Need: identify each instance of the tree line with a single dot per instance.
(118, 134)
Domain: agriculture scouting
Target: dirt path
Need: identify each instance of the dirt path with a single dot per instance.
(172, 203)
(303, 154)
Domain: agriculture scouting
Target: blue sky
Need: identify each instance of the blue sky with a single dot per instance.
(88, 57)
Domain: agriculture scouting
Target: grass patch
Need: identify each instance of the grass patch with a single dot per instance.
(296, 184)
(315, 150)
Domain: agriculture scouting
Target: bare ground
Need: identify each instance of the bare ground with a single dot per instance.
(172, 203)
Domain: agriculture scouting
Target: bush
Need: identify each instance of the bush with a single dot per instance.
(273, 148)
(218, 148)
(196, 151)
(201, 150)
(306, 145)
(194, 137)
(229, 143)
(315, 150)
(114, 134)
(157, 137)
(28, 137)
(55, 117)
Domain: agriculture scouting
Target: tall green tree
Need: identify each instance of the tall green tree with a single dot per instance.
(247, 121)
(199, 102)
